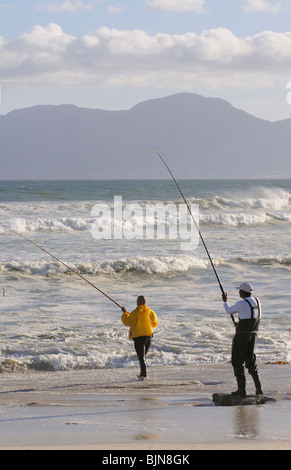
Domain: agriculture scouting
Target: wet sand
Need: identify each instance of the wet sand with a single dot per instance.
(111, 410)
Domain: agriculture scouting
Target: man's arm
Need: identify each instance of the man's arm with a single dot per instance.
(125, 317)
(230, 310)
(154, 319)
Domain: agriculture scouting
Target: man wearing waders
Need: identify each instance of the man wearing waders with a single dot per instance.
(243, 345)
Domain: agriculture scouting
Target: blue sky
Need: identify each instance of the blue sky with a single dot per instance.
(84, 16)
(113, 54)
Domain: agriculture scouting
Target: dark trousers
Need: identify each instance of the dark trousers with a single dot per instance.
(142, 345)
(243, 346)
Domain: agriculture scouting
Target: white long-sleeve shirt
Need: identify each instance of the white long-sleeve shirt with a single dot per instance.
(243, 309)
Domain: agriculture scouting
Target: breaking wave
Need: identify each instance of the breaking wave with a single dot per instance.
(256, 198)
(164, 265)
(66, 224)
(140, 265)
(258, 206)
(228, 219)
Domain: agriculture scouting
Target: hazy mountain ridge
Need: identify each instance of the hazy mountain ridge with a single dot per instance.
(200, 138)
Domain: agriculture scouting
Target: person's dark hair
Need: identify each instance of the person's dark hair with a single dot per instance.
(141, 300)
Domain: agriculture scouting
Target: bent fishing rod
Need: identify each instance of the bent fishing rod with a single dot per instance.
(68, 267)
(196, 225)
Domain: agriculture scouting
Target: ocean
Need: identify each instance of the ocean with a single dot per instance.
(51, 320)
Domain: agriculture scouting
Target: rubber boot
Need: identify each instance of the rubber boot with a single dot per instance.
(257, 382)
(241, 384)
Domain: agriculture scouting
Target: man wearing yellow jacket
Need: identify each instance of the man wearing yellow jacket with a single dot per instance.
(141, 322)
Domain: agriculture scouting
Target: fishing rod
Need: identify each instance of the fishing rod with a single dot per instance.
(64, 264)
(196, 225)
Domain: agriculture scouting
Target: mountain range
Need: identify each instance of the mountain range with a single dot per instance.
(198, 137)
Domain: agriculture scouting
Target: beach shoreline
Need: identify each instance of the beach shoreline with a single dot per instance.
(111, 410)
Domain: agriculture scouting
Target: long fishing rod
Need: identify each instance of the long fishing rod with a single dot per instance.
(196, 225)
(64, 264)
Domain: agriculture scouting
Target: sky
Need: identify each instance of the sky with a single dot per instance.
(113, 54)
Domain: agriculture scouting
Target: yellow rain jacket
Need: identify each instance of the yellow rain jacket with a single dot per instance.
(141, 321)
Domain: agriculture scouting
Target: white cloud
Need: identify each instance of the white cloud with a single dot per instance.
(176, 5)
(262, 5)
(116, 9)
(69, 6)
(111, 57)
(8, 7)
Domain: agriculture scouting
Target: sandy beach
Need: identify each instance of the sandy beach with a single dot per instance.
(111, 410)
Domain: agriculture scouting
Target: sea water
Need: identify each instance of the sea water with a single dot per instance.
(52, 320)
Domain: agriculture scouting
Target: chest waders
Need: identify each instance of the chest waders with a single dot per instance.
(243, 347)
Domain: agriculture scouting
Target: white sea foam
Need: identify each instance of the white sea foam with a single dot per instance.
(50, 224)
(163, 265)
(256, 198)
(70, 224)
(196, 345)
(235, 219)
(257, 206)
(139, 265)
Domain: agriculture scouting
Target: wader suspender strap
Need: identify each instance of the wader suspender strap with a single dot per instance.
(257, 307)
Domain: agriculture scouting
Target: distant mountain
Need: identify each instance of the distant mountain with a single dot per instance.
(199, 137)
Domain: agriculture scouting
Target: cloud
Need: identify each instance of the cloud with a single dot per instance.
(69, 6)
(115, 9)
(176, 5)
(262, 5)
(8, 7)
(113, 58)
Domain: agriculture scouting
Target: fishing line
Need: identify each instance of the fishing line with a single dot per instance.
(196, 225)
(64, 264)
